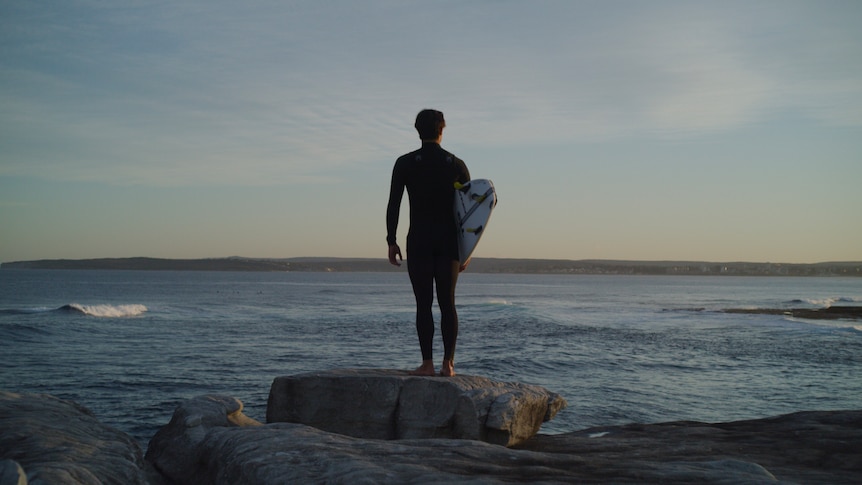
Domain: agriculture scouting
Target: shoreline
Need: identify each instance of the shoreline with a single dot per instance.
(477, 265)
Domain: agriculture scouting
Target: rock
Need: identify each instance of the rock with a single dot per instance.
(805, 447)
(176, 447)
(391, 404)
(11, 473)
(57, 441)
(814, 447)
(828, 313)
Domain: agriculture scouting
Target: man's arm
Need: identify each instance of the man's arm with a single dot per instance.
(463, 172)
(393, 211)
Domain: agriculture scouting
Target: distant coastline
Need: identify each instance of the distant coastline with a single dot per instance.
(478, 265)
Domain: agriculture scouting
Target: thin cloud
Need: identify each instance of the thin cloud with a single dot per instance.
(220, 92)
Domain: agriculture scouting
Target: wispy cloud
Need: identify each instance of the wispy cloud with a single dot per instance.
(220, 92)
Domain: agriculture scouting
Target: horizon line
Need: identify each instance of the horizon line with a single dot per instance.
(347, 258)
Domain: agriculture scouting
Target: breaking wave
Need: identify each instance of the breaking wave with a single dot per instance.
(105, 310)
(825, 302)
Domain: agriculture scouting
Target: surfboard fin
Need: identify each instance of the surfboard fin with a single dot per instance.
(462, 187)
(474, 230)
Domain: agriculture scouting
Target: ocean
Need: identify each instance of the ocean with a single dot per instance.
(131, 345)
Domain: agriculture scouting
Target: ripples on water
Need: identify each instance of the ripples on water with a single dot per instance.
(132, 345)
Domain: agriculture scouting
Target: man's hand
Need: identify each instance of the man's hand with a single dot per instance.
(464, 266)
(394, 251)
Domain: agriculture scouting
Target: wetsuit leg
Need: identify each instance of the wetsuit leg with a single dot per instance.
(446, 276)
(421, 270)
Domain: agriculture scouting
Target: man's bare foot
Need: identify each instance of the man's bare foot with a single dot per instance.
(448, 369)
(426, 369)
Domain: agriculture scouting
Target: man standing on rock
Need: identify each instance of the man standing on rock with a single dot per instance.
(429, 175)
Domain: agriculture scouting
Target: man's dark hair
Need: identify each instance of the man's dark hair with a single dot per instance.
(429, 124)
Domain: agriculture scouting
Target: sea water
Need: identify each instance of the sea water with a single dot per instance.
(131, 345)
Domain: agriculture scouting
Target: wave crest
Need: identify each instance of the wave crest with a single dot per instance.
(826, 302)
(106, 310)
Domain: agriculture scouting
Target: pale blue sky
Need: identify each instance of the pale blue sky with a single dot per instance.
(660, 130)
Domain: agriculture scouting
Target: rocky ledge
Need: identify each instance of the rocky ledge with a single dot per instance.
(210, 441)
(391, 404)
(47, 440)
(205, 445)
(829, 313)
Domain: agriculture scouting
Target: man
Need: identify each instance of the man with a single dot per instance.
(429, 175)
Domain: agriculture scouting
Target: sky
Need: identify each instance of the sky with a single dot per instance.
(661, 130)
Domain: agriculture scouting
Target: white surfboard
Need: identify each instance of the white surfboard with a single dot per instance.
(474, 203)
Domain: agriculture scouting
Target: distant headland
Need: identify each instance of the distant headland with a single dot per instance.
(478, 265)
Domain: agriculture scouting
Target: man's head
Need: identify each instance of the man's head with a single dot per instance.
(430, 124)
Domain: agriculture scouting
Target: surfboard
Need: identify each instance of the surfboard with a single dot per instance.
(474, 203)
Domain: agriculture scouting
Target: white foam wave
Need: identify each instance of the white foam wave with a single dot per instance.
(828, 301)
(109, 310)
(824, 302)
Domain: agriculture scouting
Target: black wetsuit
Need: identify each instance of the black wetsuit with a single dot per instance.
(429, 175)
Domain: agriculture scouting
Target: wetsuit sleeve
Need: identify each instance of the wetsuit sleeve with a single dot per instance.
(463, 173)
(393, 209)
